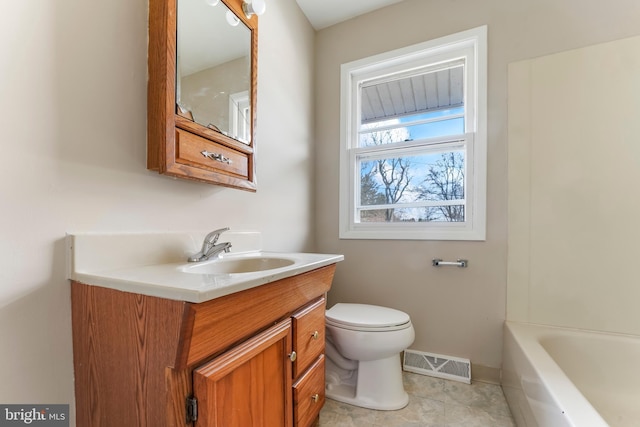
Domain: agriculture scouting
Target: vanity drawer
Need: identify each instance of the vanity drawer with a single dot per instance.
(308, 335)
(190, 149)
(308, 395)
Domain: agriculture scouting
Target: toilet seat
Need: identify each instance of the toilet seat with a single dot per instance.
(365, 317)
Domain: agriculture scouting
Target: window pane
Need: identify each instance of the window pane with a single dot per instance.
(387, 135)
(413, 130)
(445, 178)
(414, 93)
(452, 213)
(431, 176)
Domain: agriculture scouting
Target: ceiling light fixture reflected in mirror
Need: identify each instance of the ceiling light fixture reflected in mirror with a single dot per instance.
(212, 2)
(254, 7)
(232, 19)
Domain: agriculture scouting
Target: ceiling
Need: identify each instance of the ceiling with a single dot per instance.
(324, 13)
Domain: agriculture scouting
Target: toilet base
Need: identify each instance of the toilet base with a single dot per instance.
(378, 385)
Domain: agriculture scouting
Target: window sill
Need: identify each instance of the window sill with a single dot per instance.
(414, 232)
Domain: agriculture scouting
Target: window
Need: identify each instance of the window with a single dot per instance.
(413, 142)
(240, 116)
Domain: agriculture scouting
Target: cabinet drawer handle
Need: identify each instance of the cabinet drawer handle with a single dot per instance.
(216, 156)
(315, 398)
(293, 356)
(315, 335)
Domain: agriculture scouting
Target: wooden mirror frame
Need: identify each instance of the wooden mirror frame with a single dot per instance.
(177, 146)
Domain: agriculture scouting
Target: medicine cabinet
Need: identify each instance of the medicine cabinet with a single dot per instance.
(202, 91)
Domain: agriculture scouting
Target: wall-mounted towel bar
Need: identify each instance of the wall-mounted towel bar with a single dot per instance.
(462, 263)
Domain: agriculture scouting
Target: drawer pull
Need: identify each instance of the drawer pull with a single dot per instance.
(293, 356)
(315, 335)
(315, 398)
(216, 156)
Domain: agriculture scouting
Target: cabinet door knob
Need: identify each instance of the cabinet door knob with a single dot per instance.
(315, 398)
(315, 335)
(293, 356)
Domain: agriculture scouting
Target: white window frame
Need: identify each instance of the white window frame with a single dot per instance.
(470, 45)
(239, 116)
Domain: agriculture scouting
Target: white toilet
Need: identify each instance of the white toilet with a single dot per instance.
(363, 355)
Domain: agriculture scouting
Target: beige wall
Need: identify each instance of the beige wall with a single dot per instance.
(456, 312)
(574, 164)
(73, 108)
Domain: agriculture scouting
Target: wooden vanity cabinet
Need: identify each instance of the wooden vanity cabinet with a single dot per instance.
(148, 361)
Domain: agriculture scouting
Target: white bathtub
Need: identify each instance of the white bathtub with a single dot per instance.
(565, 377)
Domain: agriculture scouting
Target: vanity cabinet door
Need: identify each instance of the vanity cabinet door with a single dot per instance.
(308, 335)
(249, 384)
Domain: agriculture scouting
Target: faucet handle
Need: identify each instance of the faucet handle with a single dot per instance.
(209, 246)
(215, 235)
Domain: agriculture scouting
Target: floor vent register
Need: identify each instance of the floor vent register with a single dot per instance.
(437, 365)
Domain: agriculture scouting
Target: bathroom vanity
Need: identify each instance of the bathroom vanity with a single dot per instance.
(250, 355)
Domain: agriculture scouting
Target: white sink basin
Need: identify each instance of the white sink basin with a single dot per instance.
(237, 265)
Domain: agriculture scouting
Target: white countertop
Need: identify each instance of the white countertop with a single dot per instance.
(152, 264)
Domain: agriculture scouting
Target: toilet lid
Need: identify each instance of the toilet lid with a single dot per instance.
(365, 316)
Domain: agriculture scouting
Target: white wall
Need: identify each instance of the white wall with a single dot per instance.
(73, 114)
(455, 312)
(574, 165)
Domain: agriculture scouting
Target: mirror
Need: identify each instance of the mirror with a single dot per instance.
(213, 68)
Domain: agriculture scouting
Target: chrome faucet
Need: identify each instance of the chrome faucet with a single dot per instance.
(210, 248)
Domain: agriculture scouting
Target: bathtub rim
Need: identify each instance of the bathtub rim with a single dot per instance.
(575, 407)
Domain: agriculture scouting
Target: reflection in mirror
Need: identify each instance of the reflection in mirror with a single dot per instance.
(213, 71)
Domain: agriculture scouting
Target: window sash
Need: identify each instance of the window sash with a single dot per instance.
(415, 148)
(389, 104)
(464, 57)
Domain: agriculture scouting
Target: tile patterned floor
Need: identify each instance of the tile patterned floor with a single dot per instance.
(433, 402)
